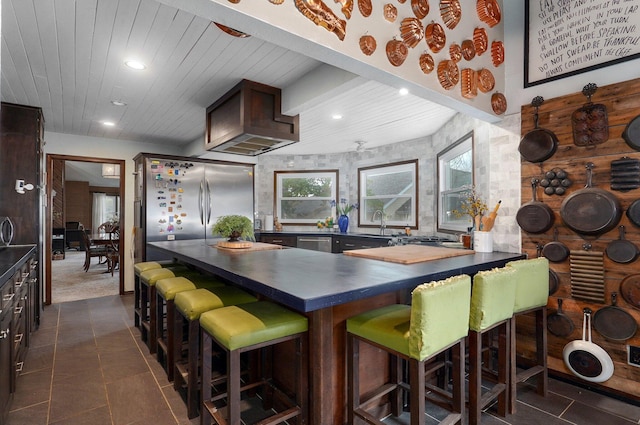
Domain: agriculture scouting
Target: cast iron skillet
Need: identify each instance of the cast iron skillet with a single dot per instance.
(539, 144)
(633, 212)
(614, 323)
(630, 290)
(591, 211)
(621, 250)
(534, 216)
(559, 323)
(631, 133)
(555, 251)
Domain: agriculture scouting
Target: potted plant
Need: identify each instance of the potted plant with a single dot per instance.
(234, 227)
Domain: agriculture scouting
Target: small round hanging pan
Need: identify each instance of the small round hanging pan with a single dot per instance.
(622, 250)
(631, 133)
(630, 290)
(555, 251)
(558, 323)
(539, 144)
(585, 359)
(614, 323)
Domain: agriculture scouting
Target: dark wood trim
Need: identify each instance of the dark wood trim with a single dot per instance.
(50, 158)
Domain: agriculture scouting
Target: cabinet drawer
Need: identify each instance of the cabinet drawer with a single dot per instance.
(6, 296)
(279, 240)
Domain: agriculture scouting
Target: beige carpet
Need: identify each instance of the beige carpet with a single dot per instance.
(71, 283)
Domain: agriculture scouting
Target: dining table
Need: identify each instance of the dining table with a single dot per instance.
(328, 289)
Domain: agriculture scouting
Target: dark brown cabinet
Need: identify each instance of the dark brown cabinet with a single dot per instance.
(347, 243)
(290, 241)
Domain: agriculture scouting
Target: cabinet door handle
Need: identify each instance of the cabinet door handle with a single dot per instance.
(18, 309)
(4, 333)
(9, 297)
(19, 366)
(350, 245)
(18, 338)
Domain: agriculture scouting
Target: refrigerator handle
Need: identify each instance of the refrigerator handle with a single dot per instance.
(200, 204)
(208, 201)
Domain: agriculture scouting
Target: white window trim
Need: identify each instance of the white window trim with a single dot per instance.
(280, 175)
(462, 145)
(409, 193)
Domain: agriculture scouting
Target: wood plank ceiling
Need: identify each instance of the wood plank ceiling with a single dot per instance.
(67, 56)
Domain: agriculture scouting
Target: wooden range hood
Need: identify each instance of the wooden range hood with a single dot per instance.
(247, 121)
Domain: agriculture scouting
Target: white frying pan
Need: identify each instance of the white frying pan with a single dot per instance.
(585, 359)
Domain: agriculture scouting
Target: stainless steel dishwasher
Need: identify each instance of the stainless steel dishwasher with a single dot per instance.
(315, 243)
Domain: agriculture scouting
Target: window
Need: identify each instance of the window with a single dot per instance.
(455, 178)
(304, 197)
(391, 189)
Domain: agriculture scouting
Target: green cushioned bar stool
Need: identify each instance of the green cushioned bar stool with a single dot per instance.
(148, 281)
(139, 268)
(492, 300)
(188, 306)
(436, 321)
(532, 292)
(166, 290)
(245, 328)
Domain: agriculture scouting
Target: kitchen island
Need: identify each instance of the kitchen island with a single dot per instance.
(328, 288)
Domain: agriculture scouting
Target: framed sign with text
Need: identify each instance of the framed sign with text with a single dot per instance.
(568, 37)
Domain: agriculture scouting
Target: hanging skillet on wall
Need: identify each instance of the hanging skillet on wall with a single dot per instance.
(585, 359)
(631, 133)
(622, 250)
(535, 216)
(539, 144)
(614, 323)
(591, 211)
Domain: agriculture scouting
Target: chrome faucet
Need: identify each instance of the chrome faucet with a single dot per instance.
(382, 223)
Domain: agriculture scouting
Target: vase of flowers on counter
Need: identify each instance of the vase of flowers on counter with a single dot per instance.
(343, 209)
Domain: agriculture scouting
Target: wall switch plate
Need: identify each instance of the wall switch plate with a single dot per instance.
(633, 355)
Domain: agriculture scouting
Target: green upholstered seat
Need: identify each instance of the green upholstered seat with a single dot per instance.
(492, 297)
(146, 265)
(150, 277)
(532, 283)
(169, 287)
(244, 325)
(191, 304)
(438, 316)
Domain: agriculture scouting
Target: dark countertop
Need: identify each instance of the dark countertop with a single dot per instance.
(10, 257)
(308, 280)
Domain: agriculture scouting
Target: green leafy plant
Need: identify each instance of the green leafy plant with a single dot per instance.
(234, 227)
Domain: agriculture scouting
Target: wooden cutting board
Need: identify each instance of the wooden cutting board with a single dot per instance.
(255, 246)
(408, 254)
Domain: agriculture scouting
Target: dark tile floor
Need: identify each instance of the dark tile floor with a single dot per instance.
(87, 365)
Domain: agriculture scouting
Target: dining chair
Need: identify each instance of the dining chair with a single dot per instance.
(91, 250)
(113, 251)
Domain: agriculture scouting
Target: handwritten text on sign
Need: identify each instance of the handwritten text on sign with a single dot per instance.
(567, 36)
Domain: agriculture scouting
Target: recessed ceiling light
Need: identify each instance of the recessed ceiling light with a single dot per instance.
(134, 64)
(403, 91)
(108, 123)
(336, 116)
(118, 103)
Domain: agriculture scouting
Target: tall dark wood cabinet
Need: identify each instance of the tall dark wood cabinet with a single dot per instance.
(21, 158)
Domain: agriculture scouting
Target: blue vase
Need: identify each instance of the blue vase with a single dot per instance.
(343, 223)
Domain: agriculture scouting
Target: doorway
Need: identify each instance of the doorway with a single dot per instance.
(91, 170)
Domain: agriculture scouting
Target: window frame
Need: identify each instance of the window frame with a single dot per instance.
(366, 222)
(277, 190)
(452, 151)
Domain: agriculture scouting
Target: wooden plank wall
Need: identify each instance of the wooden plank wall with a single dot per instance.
(622, 101)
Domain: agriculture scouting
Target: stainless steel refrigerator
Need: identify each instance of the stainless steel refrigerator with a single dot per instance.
(181, 198)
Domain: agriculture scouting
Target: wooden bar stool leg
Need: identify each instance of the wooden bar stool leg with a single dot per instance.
(170, 354)
(233, 387)
(159, 324)
(193, 367)
(416, 395)
(136, 301)
(207, 367)
(475, 377)
(353, 362)
(144, 311)
(178, 338)
(152, 340)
